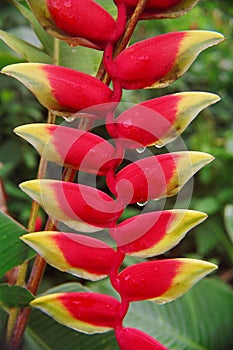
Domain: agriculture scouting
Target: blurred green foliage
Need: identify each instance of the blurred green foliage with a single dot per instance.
(211, 132)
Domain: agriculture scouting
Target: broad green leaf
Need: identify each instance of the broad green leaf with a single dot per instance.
(80, 58)
(29, 52)
(45, 39)
(228, 219)
(13, 252)
(14, 296)
(68, 287)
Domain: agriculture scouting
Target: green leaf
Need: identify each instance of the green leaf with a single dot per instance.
(29, 52)
(45, 39)
(14, 296)
(13, 252)
(228, 219)
(68, 287)
(79, 58)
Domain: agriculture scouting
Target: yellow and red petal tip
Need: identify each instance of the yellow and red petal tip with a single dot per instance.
(81, 150)
(82, 256)
(80, 207)
(159, 61)
(61, 89)
(77, 22)
(161, 120)
(170, 172)
(84, 312)
(150, 234)
(162, 280)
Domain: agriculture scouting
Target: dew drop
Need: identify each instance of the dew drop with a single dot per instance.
(159, 145)
(69, 119)
(127, 123)
(141, 204)
(141, 149)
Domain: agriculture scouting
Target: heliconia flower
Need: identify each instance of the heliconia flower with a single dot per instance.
(79, 206)
(160, 120)
(162, 280)
(84, 312)
(158, 176)
(70, 147)
(78, 22)
(159, 61)
(161, 9)
(132, 338)
(154, 233)
(61, 89)
(77, 254)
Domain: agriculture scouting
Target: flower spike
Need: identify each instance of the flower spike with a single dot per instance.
(161, 120)
(162, 9)
(159, 61)
(78, 22)
(80, 207)
(169, 171)
(150, 234)
(81, 150)
(61, 89)
(132, 338)
(79, 255)
(84, 312)
(162, 280)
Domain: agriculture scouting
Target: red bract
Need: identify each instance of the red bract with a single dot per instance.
(160, 120)
(81, 207)
(154, 233)
(132, 339)
(162, 280)
(86, 312)
(62, 89)
(157, 176)
(159, 61)
(78, 22)
(80, 150)
(80, 255)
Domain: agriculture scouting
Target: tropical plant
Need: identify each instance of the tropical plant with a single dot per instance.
(99, 173)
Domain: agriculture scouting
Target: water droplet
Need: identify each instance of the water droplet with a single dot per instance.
(159, 145)
(141, 204)
(69, 119)
(127, 123)
(141, 149)
(73, 50)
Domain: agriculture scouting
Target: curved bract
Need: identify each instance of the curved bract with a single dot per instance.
(159, 61)
(78, 22)
(160, 120)
(62, 89)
